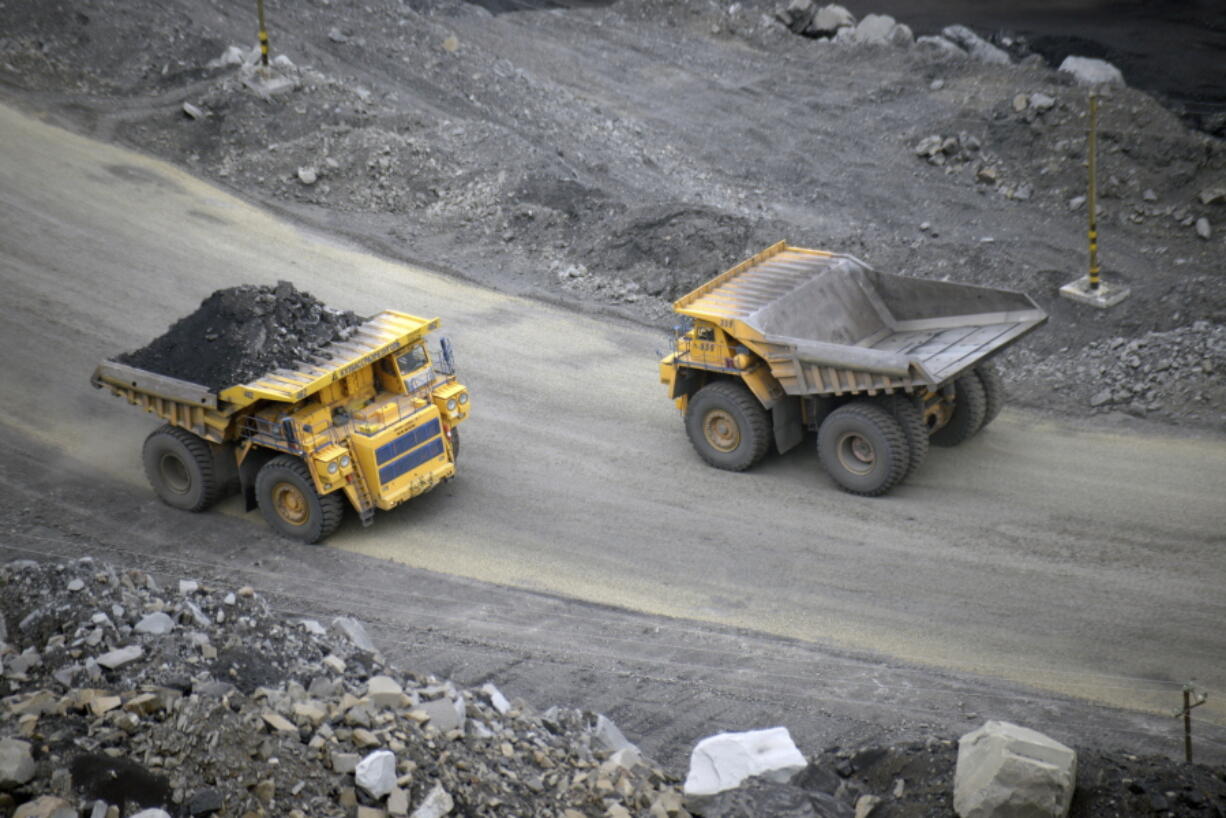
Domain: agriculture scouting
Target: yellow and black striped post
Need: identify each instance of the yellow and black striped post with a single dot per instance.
(259, 4)
(1092, 199)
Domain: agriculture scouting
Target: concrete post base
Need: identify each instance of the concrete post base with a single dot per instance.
(1107, 295)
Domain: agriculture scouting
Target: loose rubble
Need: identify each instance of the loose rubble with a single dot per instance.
(242, 332)
(1174, 375)
(238, 710)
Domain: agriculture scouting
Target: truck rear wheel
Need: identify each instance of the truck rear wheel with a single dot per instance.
(906, 410)
(727, 426)
(180, 468)
(970, 404)
(289, 502)
(863, 447)
(993, 391)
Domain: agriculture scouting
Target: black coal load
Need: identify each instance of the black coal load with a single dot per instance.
(241, 333)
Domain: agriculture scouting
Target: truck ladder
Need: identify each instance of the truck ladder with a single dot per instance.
(366, 503)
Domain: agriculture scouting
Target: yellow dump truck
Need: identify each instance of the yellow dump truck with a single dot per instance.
(878, 364)
(375, 425)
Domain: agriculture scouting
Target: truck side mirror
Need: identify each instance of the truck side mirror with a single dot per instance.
(447, 353)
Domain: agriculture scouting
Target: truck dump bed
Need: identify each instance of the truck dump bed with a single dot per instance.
(828, 324)
(207, 413)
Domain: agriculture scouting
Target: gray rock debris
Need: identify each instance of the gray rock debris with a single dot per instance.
(1042, 102)
(16, 763)
(120, 657)
(609, 737)
(979, 48)
(155, 624)
(1203, 229)
(940, 45)
(804, 17)
(354, 631)
(829, 19)
(1090, 71)
(435, 805)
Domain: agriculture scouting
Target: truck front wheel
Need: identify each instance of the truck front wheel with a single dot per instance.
(727, 426)
(289, 502)
(863, 447)
(180, 468)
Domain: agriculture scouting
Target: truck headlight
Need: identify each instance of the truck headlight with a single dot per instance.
(345, 461)
(333, 468)
(451, 405)
(463, 398)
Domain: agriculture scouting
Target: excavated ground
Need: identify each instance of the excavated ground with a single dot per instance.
(613, 156)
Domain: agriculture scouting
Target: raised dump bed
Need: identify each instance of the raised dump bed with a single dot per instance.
(829, 324)
(795, 334)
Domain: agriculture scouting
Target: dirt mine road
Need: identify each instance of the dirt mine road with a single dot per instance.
(1085, 563)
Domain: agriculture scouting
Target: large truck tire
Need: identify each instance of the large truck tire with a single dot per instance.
(728, 426)
(180, 468)
(993, 391)
(863, 447)
(970, 404)
(910, 416)
(289, 502)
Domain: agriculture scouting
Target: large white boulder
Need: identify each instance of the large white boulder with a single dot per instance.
(377, 773)
(1007, 770)
(721, 762)
(1089, 71)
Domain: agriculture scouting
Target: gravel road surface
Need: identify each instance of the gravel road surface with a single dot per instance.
(1081, 561)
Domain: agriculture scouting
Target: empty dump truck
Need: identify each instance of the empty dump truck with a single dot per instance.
(878, 364)
(375, 426)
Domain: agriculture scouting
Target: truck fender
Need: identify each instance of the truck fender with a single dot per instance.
(785, 417)
(686, 382)
(248, 468)
(764, 385)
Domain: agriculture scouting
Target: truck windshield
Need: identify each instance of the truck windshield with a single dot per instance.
(412, 359)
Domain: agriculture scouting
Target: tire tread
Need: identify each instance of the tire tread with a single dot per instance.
(737, 396)
(331, 506)
(969, 407)
(993, 390)
(201, 455)
(890, 429)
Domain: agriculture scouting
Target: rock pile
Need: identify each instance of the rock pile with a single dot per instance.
(201, 701)
(193, 701)
(1175, 374)
(836, 22)
(240, 333)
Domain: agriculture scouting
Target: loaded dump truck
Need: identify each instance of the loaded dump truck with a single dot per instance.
(372, 422)
(880, 365)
